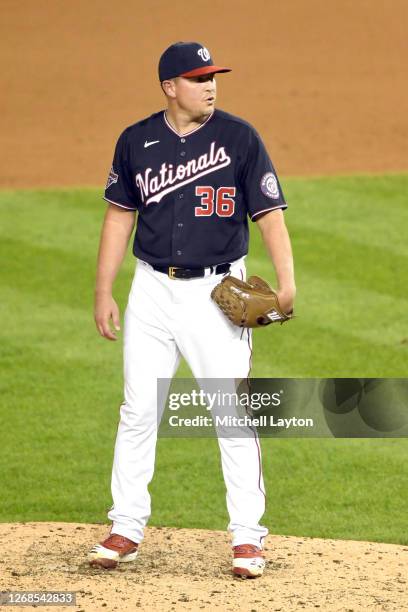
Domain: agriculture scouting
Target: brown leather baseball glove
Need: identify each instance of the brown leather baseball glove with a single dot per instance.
(249, 304)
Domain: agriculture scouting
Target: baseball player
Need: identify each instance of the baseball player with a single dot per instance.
(193, 174)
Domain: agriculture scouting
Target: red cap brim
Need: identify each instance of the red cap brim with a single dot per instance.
(205, 70)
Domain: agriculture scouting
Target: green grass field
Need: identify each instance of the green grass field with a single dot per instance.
(61, 384)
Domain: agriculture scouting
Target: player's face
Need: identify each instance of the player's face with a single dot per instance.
(196, 95)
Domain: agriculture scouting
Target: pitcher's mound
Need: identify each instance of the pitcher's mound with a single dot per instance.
(189, 569)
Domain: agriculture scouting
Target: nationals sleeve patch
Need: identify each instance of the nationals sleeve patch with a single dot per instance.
(269, 186)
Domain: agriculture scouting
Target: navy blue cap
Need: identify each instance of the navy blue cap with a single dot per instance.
(187, 59)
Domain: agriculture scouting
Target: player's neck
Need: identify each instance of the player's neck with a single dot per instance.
(182, 122)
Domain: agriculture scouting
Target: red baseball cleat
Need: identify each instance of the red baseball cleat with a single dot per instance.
(248, 561)
(115, 549)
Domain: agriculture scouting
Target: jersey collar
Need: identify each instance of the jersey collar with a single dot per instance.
(187, 133)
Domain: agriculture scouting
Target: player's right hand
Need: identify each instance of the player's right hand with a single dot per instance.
(106, 310)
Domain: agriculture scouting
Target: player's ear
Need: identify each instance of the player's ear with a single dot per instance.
(169, 88)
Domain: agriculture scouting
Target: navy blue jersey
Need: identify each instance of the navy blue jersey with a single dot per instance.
(193, 192)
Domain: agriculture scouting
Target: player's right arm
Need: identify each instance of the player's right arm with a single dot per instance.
(115, 235)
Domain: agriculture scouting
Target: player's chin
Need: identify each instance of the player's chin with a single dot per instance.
(208, 107)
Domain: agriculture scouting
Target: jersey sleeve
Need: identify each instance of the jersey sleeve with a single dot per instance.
(259, 180)
(119, 188)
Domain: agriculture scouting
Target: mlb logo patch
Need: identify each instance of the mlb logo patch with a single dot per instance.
(112, 178)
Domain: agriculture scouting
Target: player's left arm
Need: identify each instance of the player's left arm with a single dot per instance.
(276, 238)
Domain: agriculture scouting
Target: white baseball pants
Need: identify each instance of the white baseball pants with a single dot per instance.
(164, 320)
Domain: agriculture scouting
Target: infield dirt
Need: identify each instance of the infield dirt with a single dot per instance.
(323, 82)
(189, 569)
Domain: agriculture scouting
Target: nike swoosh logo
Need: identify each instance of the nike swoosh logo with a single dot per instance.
(148, 144)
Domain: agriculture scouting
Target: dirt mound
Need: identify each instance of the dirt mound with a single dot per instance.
(184, 569)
